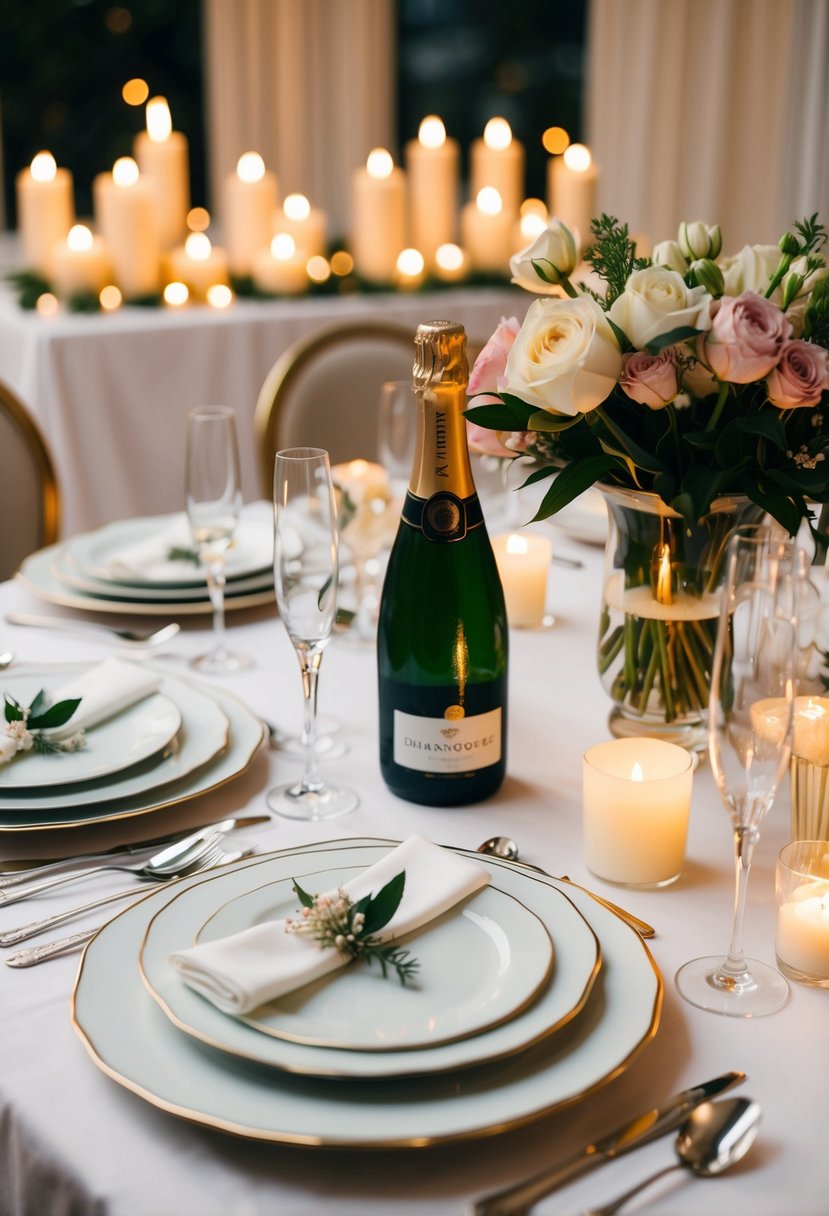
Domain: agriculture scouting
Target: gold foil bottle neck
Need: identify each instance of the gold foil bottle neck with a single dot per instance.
(440, 355)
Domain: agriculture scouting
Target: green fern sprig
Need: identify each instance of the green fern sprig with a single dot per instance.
(613, 255)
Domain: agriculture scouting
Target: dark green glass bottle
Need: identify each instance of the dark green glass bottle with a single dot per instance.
(442, 635)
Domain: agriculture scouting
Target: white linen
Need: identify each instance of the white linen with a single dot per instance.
(147, 559)
(240, 972)
(105, 690)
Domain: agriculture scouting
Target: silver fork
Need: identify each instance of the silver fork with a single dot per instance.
(132, 637)
(216, 856)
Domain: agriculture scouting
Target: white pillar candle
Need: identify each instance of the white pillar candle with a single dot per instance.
(126, 217)
(80, 264)
(642, 602)
(523, 561)
(250, 199)
(802, 895)
(432, 169)
(45, 211)
(487, 232)
(572, 181)
(637, 799)
(306, 224)
(362, 480)
(199, 264)
(162, 156)
(378, 222)
(498, 160)
(280, 269)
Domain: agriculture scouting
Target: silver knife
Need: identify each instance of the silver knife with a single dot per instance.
(11, 878)
(650, 1125)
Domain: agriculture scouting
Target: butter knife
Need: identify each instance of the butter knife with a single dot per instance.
(11, 878)
(650, 1125)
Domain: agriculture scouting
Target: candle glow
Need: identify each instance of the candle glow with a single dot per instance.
(664, 594)
(125, 172)
(296, 207)
(198, 219)
(43, 167)
(219, 295)
(283, 246)
(79, 238)
(431, 132)
(176, 294)
(410, 262)
(532, 225)
(110, 298)
(497, 134)
(449, 257)
(379, 164)
(578, 158)
(198, 246)
(318, 269)
(159, 120)
(250, 167)
(488, 201)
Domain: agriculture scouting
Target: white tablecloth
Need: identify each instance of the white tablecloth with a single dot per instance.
(73, 1141)
(112, 391)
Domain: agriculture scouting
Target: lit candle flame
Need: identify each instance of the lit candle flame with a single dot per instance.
(532, 225)
(578, 158)
(125, 171)
(159, 122)
(283, 246)
(636, 773)
(410, 262)
(449, 256)
(379, 164)
(79, 238)
(432, 132)
(664, 594)
(43, 167)
(250, 167)
(498, 134)
(517, 544)
(296, 207)
(489, 201)
(197, 247)
(219, 295)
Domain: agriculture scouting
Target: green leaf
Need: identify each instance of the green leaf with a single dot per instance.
(304, 898)
(518, 408)
(705, 440)
(624, 341)
(57, 715)
(384, 904)
(681, 334)
(543, 420)
(539, 475)
(538, 265)
(572, 481)
(492, 417)
(767, 425)
(39, 704)
(13, 710)
(778, 505)
(643, 460)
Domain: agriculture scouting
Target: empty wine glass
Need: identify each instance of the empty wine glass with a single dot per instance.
(749, 734)
(306, 569)
(213, 496)
(396, 429)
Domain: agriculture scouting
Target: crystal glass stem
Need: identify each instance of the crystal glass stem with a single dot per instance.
(309, 663)
(215, 572)
(734, 972)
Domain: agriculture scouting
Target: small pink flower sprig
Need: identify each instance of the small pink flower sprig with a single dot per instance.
(25, 725)
(337, 921)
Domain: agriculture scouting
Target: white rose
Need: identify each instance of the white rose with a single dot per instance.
(557, 252)
(669, 254)
(566, 358)
(750, 270)
(655, 301)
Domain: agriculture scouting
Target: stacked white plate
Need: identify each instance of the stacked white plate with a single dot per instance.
(529, 996)
(174, 745)
(136, 566)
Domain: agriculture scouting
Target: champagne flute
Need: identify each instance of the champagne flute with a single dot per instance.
(214, 501)
(396, 427)
(749, 734)
(306, 569)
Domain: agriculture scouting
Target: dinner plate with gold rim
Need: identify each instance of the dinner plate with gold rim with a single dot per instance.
(129, 1037)
(37, 576)
(479, 965)
(218, 741)
(126, 739)
(151, 593)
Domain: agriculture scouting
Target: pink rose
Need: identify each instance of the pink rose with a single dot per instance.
(746, 336)
(801, 375)
(650, 379)
(486, 442)
(487, 375)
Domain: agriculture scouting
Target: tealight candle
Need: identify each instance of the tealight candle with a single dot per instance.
(250, 199)
(411, 266)
(80, 265)
(378, 217)
(126, 216)
(162, 156)
(280, 269)
(45, 210)
(450, 263)
(802, 896)
(572, 180)
(199, 264)
(497, 160)
(523, 561)
(487, 231)
(637, 799)
(362, 480)
(432, 168)
(306, 224)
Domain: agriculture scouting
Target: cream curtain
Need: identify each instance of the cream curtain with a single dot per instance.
(710, 109)
(309, 84)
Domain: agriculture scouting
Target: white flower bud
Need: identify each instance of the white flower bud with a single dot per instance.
(698, 240)
(669, 255)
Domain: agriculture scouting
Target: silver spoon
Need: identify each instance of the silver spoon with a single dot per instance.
(506, 848)
(133, 637)
(714, 1137)
(6, 659)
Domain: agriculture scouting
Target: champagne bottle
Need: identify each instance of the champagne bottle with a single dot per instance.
(442, 634)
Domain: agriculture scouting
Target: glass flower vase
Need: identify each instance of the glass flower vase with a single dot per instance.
(660, 603)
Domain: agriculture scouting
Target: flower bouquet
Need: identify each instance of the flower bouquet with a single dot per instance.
(693, 389)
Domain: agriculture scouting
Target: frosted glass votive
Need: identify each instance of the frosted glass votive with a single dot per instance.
(802, 899)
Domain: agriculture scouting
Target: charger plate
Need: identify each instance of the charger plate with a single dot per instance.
(65, 573)
(479, 968)
(131, 1040)
(218, 741)
(136, 733)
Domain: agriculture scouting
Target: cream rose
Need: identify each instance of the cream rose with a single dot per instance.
(657, 300)
(556, 251)
(750, 270)
(565, 358)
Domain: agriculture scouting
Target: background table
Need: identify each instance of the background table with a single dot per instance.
(111, 391)
(75, 1142)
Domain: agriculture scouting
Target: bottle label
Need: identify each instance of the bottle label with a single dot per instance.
(451, 744)
(444, 516)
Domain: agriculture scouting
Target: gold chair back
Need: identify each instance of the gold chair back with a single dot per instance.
(29, 495)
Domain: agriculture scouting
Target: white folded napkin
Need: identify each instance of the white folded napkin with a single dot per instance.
(147, 558)
(240, 972)
(105, 690)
